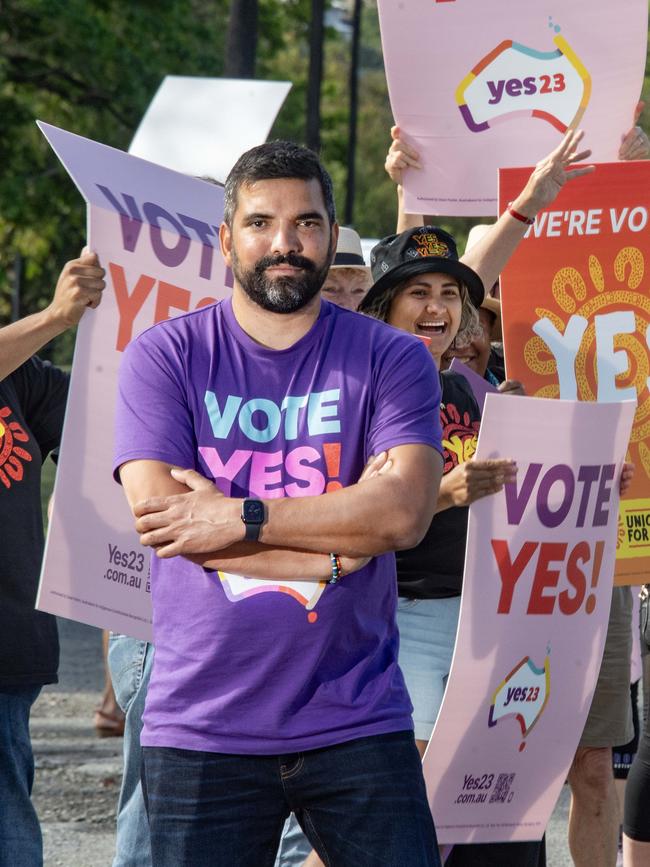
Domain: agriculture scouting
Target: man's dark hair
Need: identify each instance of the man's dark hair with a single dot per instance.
(275, 160)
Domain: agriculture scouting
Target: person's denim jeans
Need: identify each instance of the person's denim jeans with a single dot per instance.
(360, 803)
(130, 661)
(21, 843)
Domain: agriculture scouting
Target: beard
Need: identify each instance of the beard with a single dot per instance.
(282, 294)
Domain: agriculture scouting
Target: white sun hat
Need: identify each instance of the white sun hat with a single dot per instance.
(348, 251)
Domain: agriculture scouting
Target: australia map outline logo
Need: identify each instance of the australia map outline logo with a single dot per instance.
(515, 80)
(522, 694)
(306, 593)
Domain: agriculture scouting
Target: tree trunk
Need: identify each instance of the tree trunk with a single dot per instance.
(241, 43)
(316, 35)
(354, 109)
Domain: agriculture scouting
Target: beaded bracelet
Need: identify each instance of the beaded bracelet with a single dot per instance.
(337, 570)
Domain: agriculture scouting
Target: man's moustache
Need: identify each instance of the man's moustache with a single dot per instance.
(289, 259)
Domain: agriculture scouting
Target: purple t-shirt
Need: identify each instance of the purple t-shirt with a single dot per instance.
(251, 666)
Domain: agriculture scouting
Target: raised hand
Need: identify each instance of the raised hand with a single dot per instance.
(400, 156)
(552, 173)
(80, 285)
(634, 143)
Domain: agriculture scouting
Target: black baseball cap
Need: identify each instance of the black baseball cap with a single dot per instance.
(426, 249)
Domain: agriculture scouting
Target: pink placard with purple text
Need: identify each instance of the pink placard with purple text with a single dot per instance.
(479, 86)
(156, 234)
(536, 596)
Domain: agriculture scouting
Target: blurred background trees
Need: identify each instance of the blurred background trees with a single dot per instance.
(93, 68)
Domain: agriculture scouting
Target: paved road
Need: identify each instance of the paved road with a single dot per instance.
(78, 774)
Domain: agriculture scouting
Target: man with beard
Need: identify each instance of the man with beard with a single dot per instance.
(275, 686)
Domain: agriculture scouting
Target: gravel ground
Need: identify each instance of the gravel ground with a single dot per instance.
(78, 774)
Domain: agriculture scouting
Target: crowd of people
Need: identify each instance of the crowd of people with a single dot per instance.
(250, 736)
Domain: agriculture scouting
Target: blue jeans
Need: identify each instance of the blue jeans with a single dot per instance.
(427, 631)
(21, 843)
(130, 661)
(360, 803)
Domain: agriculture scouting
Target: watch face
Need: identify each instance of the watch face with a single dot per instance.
(253, 512)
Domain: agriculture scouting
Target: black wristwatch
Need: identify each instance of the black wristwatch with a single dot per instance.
(252, 514)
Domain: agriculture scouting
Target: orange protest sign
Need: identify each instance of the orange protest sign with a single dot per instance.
(575, 311)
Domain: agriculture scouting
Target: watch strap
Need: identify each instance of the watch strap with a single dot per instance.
(252, 532)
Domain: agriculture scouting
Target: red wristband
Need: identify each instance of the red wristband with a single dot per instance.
(527, 220)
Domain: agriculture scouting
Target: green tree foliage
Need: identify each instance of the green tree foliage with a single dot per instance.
(93, 68)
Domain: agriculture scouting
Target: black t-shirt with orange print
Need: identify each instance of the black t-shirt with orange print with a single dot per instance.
(434, 569)
(32, 405)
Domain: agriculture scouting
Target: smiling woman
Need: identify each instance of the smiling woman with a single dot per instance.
(423, 288)
(435, 306)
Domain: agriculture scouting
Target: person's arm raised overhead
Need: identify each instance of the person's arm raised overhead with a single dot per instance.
(79, 287)
(489, 256)
(401, 157)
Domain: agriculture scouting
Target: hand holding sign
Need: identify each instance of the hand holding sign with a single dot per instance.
(536, 595)
(80, 285)
(474, 479)
(400, 156)
(634, 143)
(627, 474)
(511, 386)
(504, 96)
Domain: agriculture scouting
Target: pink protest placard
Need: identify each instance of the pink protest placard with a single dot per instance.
(478, 86)
(156, 234)
(536, 595)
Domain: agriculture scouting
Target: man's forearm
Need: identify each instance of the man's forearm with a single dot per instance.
(362, 520)
(255, 560)
(387, 512)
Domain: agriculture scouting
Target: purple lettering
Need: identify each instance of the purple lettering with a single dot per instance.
(170, 256)
(601, 514)
(529, 85)
(516, 502)
(203, 230)
(131, 222)
(496, 89)
(559, 473)
(513, 87)
(587, 475)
